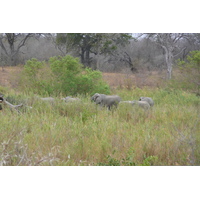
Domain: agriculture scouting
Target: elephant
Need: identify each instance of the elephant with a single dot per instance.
(70, 99)
(128, 102)
(48, 99)
(106, 100)
(147, 99)
(143, 104)
(66, 99)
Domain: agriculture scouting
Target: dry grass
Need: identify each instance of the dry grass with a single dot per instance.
(115, 80)
(8, 76)
(83, 134)
(142, 79)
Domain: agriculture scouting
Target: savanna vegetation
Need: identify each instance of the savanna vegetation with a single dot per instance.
(81, 133)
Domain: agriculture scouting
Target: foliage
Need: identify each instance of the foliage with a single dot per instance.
(91, 81)
(151, 160)
(61, 75)
(189, 77)
(31, 68)
(96, 43)
(37, 77)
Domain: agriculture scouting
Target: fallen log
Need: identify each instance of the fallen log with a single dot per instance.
(12, 107)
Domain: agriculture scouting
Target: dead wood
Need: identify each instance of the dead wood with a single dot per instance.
(11, 106)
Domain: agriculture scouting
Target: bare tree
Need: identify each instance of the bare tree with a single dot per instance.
(59, 46)
(11, 43)
(170, 45)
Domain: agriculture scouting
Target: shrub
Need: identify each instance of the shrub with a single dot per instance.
(189, 76)
(91, 82)
(61, 75)
(73, 79)
(31, 67)
(37, 77)
(150, 160)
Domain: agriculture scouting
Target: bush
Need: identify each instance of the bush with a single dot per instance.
(74, 79)
(189, 76)
(62, 75)
(37, 77)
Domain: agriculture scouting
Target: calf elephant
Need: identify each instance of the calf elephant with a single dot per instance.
(48, 99)
(106, 100)
(143, 104)
(147, 99)
(70, 99)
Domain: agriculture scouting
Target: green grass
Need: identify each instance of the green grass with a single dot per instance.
(83, 134)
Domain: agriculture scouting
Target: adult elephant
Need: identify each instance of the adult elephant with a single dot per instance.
(106, 100)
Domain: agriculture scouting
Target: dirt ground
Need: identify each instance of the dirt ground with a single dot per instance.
(7, 75)
(115, 80)
(129, 80)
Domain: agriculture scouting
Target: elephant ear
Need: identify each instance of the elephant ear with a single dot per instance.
(97, 95)
(98, 99)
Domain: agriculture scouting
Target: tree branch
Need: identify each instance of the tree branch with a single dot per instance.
(180, 52)
(2, 46)
(23, 41)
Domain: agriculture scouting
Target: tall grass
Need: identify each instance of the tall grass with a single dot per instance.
(83, 134)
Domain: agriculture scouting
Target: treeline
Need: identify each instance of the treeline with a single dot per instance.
(106, 52)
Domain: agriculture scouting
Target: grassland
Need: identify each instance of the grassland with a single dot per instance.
(83, 134)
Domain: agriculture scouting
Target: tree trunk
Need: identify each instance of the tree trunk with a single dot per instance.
(98, 59)
(98, 62)
(169, 59)
(13, 58)
(87, 58)
(82, 56)
(12, 53)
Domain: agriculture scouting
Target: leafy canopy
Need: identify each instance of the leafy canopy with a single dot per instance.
(96, 43)
(61, 75)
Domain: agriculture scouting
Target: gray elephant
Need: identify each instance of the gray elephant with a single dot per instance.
(143, 104)
(48, 99)
(106, 100)
(126, 102)
(147, 99)
(70, 99)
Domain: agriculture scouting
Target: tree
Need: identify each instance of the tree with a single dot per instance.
(11, 43)
(190, 72)
(97, 43)
(169, 43)
(192, 42)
